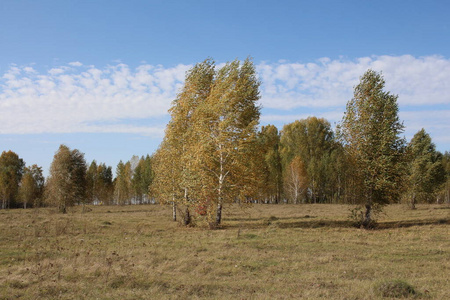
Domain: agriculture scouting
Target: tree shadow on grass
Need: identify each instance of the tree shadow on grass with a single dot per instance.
(308, 222)
(411, 223)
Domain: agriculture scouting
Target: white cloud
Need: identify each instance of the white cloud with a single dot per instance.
(77, 97)
(66, 99)
(329, 83)
(435, 122)
(75, 64)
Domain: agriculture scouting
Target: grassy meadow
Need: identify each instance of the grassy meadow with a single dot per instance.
(262, 252)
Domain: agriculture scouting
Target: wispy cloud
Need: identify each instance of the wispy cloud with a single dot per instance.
(81, 98)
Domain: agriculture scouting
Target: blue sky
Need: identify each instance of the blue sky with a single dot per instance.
(99, 76)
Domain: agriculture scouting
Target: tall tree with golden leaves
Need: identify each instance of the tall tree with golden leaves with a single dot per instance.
(226, 127)
(175, 180)
(370, 131)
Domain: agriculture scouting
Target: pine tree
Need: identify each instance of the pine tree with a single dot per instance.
(104, 184)
(370, 132)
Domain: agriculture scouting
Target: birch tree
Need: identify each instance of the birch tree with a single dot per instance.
(226, 125)
(11, 171)
(67, 181)
(175, 180)
(272, 174)
(313, 140)
(426, 171)
(122, 183)
(370, 131)
(205, 158)
(31, 186)
(296, 181)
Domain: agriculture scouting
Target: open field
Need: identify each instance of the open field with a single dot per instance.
(264, 252)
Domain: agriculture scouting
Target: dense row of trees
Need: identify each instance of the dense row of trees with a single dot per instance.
(133, 180)
(20, 186)
(214, 153)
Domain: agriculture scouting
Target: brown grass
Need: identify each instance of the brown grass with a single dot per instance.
(264, 252)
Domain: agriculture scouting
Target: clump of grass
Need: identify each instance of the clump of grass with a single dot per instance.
(18, 284)
(269, 220)
(395, 289)
(357, 216)
(249, 236)
(52, 291)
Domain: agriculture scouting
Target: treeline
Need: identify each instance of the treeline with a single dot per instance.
(302, 163)
(72, 181)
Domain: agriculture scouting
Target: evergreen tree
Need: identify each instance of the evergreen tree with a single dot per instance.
(104, 184)
(370, 131)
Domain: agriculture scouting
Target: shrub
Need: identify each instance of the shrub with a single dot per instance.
(394, 289)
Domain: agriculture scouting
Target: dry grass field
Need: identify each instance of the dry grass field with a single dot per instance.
(263, 252)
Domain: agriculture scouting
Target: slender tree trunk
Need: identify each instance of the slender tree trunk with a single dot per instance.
(367, 216)
(219, 214)
(62, 208)
(413, 201)
(187, 217)
(174, 211)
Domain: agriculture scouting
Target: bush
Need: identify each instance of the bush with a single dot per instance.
(394, 289)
